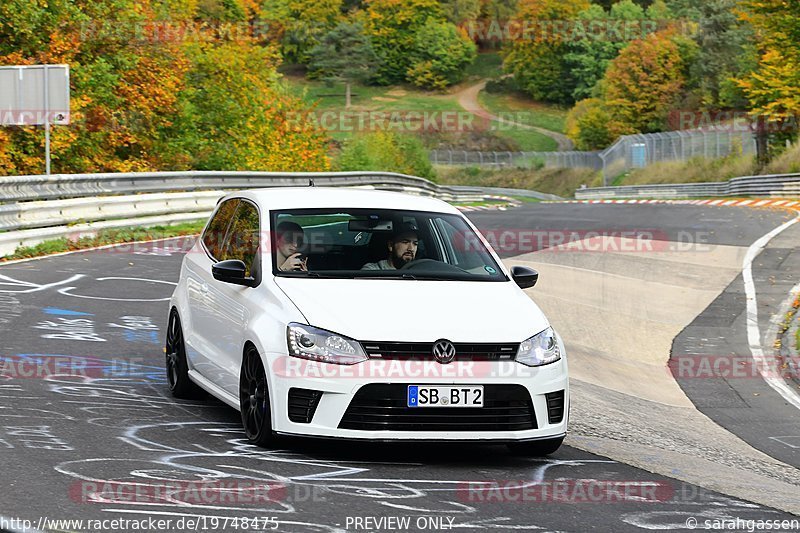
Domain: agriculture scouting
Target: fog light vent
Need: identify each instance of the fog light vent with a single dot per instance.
(555, 406)
(302, 404)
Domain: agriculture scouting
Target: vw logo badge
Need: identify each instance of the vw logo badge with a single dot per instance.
(444, 351)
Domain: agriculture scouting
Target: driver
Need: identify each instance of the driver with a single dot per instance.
(402, 248)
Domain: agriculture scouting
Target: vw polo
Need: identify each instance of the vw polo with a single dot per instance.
(364, 315)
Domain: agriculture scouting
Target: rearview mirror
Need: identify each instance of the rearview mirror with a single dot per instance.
(371, 224)
(524, 277)
(232, 271)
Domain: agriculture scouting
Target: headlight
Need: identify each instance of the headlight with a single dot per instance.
(308, 342)
(541, 349)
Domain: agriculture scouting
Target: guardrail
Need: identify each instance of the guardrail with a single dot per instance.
(776, 185)
(38, 208)
(25, 188)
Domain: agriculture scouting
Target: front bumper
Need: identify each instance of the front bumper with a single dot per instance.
(340, 384)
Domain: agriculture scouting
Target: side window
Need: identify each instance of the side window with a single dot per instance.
(243, 236)
(217, 229)
(456, 246)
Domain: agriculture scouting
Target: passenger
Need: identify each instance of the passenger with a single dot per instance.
(402, 248)
(289, 238)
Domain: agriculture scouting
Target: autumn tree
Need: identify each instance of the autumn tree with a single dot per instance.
(773, 88)
(392, 26)
(144, 98)
(590, 126)
(387, 151)
(344, 54)
(724, 53)
(536, 57)
(238, 117)
(461, 12)
(587, 58)
(645, 81)
(441, 53)
(298, 25)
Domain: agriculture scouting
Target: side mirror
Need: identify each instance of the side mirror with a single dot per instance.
(524, 277)
(232, 271)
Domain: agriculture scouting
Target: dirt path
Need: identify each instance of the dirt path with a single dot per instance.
(468, 99)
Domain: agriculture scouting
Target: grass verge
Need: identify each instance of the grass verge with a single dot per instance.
(486, 65)
(518, 108)
(483, 203)
(329, 102)
(526, 199)
(561, 182)
(525, 140)
(105, 237)
(700, 169)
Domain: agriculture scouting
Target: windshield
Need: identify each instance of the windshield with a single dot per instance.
(375, 243)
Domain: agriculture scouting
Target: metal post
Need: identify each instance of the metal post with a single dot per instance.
(47, 146)
(46, 123)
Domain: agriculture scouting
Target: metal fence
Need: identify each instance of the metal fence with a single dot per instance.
(639, 151)
(518, 159)
(628, 152)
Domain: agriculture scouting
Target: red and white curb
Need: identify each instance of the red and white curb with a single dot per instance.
(736, 202)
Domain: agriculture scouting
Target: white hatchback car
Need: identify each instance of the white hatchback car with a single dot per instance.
(365, 315)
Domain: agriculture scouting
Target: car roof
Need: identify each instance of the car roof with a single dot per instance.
(274, 198)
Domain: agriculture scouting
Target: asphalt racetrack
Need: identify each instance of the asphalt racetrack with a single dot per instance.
(89, 431)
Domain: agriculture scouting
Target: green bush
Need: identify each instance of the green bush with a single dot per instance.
(388, 152)
(440, 56)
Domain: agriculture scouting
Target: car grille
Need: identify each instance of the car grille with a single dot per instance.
(555, 406)
(383, 407)
(303, 404)
(424, 350)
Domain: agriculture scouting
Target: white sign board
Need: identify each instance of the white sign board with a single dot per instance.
(33, 95)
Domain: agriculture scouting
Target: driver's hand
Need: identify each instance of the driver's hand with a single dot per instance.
(295, 263)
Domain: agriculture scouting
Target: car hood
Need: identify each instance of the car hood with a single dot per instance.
(415, 310)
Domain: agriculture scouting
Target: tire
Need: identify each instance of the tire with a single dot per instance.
(536, 448)
(254, 400)
(176, 365)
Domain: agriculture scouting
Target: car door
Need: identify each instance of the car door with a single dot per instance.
(232, 306)
(201, 331)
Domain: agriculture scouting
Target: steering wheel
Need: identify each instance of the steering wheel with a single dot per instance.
(417, 262)
(432, 265)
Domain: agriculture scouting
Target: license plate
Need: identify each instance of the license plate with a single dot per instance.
(436, 396)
